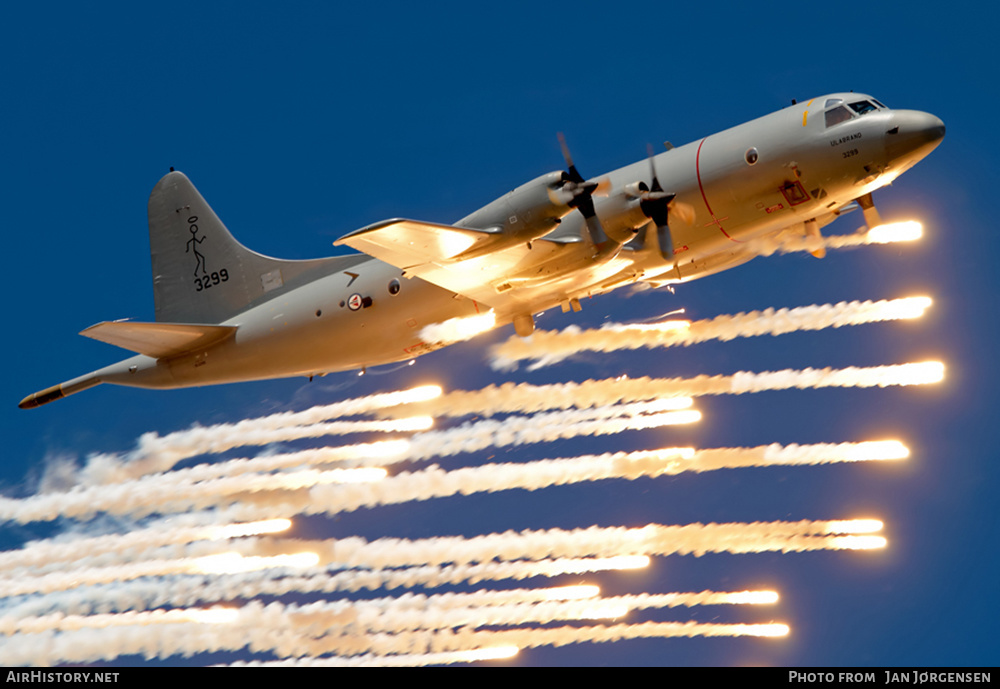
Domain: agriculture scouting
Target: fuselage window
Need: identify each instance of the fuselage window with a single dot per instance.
(751, 156)
(862, 107)
(837, 115)
(394, 287)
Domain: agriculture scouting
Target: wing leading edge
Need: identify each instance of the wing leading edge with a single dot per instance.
(408, 243)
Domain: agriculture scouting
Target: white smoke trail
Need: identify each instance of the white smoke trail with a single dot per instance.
(652, 539)
(529, 397)
(212, 563)
(430, 615)
(478, 608)
(271, 628)
(396, 660)
(548, 347)
(386, 644)
(325, 618)
(169, 532)
(458, 329)
(64, 622)
(156, 453)
(184, 563)
(435, 482)
(191, 590)
(176, 491)
(787, 242)
(196, 488)
(525, 397)
(539, 428)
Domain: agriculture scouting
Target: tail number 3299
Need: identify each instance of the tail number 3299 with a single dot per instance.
(207, 281)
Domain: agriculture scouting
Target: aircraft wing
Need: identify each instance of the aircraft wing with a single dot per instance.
(457, 258)
(410, 243)
(158, 340)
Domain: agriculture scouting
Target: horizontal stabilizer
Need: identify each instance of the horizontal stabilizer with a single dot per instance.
(158, 340)
(407, 243)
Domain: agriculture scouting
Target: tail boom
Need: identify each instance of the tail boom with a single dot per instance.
(57, 392)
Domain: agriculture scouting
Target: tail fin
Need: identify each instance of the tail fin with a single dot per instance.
(201, 274)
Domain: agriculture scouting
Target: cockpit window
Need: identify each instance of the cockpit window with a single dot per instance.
(880, 104)
(833, 101)
(837, 115)
(862, 106)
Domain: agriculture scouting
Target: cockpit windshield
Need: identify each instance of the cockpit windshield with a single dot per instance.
(838, 112)
(863, 107)
(837, 115)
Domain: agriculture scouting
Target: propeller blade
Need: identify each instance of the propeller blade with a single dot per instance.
(560, 197)
(656, 205)
(666, 242)
(583, 202)
(661, 207)
(684, 211)
(655, 184)
(596, 230)
(577, 192)
(573, 174)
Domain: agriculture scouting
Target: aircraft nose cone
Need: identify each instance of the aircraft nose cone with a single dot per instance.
(913, 135)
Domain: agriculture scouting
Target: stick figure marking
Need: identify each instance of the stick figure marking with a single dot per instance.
(193, 244)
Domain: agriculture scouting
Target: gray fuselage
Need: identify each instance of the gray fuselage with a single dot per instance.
(778, 172)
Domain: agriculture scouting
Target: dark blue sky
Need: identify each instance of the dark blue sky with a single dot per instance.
(301, 124)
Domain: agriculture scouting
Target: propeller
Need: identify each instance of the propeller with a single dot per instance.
(578, 193)
(657, 205)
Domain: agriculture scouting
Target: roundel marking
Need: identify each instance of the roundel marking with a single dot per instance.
(354, 302)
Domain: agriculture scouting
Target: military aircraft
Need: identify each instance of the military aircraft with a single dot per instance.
(226, 314)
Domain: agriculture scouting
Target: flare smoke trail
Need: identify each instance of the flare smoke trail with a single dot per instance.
(169, 532)
(435, 482)
(480, 608)
(315, 492)
(271, 630)
(652, 539)
(98, 597)
(200, 487)
(559, 636)
(155, 453)
(395, 660)
(193, 589)
(458, 329)
(787, 242)
(549, 347)
(511, 397)
(354, 552)
(525, 397)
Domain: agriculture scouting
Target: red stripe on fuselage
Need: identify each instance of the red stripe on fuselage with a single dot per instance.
(701, 188)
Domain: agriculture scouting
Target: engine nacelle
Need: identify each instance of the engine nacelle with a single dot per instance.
(621, 215)
(526, 213)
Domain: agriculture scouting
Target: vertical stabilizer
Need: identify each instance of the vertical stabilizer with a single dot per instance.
(201, 274)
